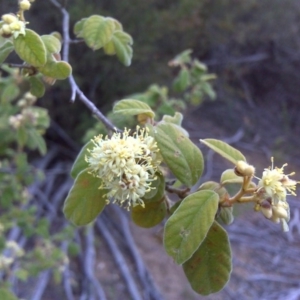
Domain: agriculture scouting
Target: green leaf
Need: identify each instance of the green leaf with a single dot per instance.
(187, 227)
(225, 150)
(52, 44)
(181, 155)
(155, 207)
(80, 162)
(176, 119)
(9, 93)
(133, 107)
(31, 49)
(85, 200)
(56, 69)
(118, 25)
(208, 270)
(228, 176)
(78, 27)
(6, 47)
(5, 294)
(216, 187)
(109, 48)
(36, 141)
(150, 215)
(226, 215)
(97, 31)
(182, 81)
(22, 136)
(157, 189)
(37, 87)
(122, 44)
(182, 58)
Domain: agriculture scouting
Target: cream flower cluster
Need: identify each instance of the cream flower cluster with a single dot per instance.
(15, 24)
(273, 188)
(126, 165)
(12, 26)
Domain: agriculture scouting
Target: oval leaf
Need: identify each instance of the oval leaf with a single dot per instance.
(228, 176)
(150, 215)
(157, 189)
(85, 200)
(30, 48)
(52, 44)
(182, 156)
(225, 150)
(58, 70)
(5, 294)
(133, 107)
(78, 27)
(208, 270)
(6, 47)
(97, 31)
(37, 87)
(187, 227)
(122, 46)
(226, 215)
(183, 81)
(80, 162)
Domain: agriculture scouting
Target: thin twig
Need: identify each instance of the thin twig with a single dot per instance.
(144, 275)
(74, 87)
(67, 275)
(89, 263)
(120, 260)
(41, 285)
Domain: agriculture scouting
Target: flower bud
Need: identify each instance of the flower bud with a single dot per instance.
(266, 208)
(24, 4)
(15, 26)
(280, 212)
(244, 169)
(6, 30)
(9, 18)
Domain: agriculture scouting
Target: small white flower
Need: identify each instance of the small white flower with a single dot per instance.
(126, 165)
(271, 194)
(276, 184)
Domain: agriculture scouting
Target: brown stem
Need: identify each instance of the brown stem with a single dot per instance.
(181, 193)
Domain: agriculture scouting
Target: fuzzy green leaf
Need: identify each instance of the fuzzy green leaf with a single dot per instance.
(157, 189)
(6, 47)
(52, 44)
(85, 200)
(226, 215)
(228, 176)
(97, 31)
(225, 150)
(176, 119)
(80, 162)
(109, 48)
(182, 156)
(187, 227)
(5, 294)
(182, 81)
(30, 48)
(36, 141)
(78, 27)
(208, 270)
(150, 215)
(122, 44)
(9, 92)
(155, 207)
(37, 87)
(133, 107)
(56, 69)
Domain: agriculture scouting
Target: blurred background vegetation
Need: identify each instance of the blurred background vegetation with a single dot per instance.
(253, 47)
